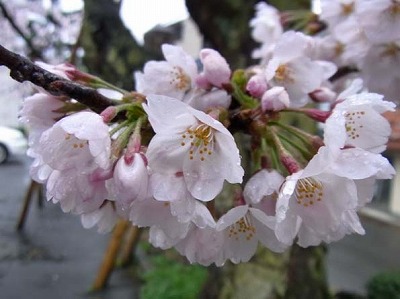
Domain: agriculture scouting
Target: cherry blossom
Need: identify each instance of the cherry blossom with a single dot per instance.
(154, 213)
(335, 12)
(160, 156)
(76, 192)
(202, 246)
(104, 218)
(177, 77)
(379, 70)
(346, 44)
(295, 70)
(310, 206)
(193, 143)
(380, 19)
(263, 186)
(173, 77)
(243, 228)
(79, 141)
(39, 113)
(266, 29)
(357, 121)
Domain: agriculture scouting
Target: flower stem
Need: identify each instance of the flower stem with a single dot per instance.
(305, 137)
(306, 154)
(285, 157)
(123, 139)
(119, 127)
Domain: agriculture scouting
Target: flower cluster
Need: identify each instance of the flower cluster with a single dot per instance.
(365, 35)
(165, 156)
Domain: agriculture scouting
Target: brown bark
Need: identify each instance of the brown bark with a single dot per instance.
(22, 69)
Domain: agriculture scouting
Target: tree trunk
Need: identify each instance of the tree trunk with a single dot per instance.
(225, 27)
(111, 52)
(306, 276)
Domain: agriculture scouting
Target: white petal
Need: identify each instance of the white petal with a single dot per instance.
(356, 163)
(231, 217)
(168, 187)
(165, 153)
(265, 230)
(263, 183)
(167, 115)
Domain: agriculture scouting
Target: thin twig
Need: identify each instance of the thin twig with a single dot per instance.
(34, 51)
(22, 69)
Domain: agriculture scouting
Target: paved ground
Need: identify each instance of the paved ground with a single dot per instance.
(353, 260)
(56, 258)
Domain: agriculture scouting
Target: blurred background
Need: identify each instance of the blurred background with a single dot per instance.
(52, 256)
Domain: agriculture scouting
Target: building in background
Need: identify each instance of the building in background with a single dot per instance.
(184, 34)
(393, 150)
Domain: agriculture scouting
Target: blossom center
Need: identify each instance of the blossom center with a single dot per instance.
(201, 140)
(390, 50)
(347, 9)
(339, 49)
(353, 124)
(394, 9)
(180, 79)
(242, 227)
(282, 73)
(75, 142)
(309, 191)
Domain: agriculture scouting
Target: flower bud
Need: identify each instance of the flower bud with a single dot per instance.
(323, 95)
(61, 70)
(275, 99)
(290, 163)
(130, 181)
(216, 71)
(109, 113)
(257, 85)
(316, 114)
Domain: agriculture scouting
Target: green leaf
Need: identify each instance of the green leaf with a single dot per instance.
(239, 82)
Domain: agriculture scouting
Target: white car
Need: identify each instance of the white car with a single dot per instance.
(12, 142)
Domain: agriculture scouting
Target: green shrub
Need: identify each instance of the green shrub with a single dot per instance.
(384, 286)
(169, 279)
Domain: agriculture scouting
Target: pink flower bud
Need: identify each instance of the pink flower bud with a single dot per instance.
(317, 114)
(275, 99)
(257, 85)
(130, 181)
(78, 76)
(61, 70)
(202, 82)
(323, 95)
(215, 69)
(109, 113)
(133, 147)
(290, 163)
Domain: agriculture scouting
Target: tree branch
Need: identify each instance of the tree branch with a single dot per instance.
(22, 69)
